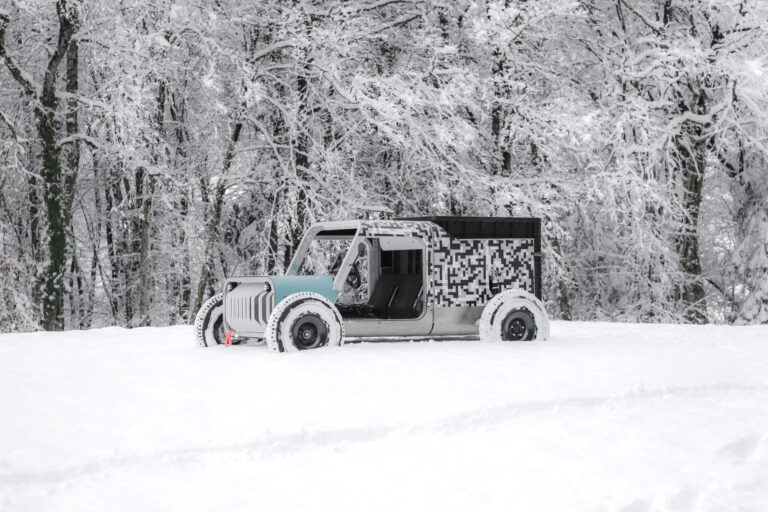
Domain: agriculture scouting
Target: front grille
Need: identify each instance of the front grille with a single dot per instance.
(252, 307)
(247, 308)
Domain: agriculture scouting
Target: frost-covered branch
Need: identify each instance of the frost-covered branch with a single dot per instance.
(10, 126)
(79, 137)
(16, 72)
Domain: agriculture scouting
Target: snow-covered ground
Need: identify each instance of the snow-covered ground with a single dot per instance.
(601, 417)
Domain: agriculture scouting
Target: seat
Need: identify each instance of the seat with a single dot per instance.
(393, 296)
(405, 301)
(383, 293)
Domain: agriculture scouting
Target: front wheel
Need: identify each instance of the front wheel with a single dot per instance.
(304, 321)
(209, 323)
(514, 315)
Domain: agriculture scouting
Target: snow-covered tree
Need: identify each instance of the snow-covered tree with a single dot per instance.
(148, 149)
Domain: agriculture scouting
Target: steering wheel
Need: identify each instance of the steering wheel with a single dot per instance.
(337, 263)
(353, 278)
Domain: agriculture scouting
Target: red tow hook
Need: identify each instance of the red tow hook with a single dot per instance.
(228, 340)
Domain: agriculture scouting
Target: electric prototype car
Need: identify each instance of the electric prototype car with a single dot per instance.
(435, 277)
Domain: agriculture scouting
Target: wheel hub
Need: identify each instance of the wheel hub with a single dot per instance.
(519, 325)
(517, 328)
(309, 331)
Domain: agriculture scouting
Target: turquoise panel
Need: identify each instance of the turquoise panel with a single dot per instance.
(288, 285)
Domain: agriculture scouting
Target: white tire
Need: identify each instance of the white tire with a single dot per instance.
(209, 322)
(514, 315)
(304, 321)
(210, 327)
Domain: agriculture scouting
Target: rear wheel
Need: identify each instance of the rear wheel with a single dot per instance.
(304, 321)
(514, 315)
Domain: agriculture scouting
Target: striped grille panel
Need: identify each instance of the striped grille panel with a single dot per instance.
(247, 308)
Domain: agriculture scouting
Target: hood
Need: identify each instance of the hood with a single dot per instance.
(288, 285)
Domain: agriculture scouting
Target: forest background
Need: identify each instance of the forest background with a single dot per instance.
(150, 148)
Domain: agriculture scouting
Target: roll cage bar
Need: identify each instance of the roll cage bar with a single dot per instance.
(336, 230)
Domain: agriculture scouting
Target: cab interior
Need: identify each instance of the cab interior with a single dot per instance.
(391, 272)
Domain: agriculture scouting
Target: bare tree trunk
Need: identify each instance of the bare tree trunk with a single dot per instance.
(33, 198)
(751, 216)
(56, 195)
(562, 288)
(498, 117)
(144, 242)
(72, 129)
(76, 293)
(146, 211)
(179, 281)
(212, 230)
(185, 286)
(56, 188)
(70, 179)
(692, 293)
(95, 236)
(115, 247)
(692, 150)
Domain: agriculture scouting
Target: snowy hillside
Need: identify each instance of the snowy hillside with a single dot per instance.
(602, 417)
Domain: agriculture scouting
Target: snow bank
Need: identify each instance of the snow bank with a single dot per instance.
(603, 416)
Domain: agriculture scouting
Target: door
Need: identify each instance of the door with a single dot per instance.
(395, 303)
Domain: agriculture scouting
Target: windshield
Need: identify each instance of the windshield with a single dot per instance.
(324, 256)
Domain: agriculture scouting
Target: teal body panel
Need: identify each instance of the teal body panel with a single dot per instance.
(288, 285)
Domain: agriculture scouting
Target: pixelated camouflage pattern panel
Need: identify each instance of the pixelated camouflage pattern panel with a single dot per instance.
(462, 268)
